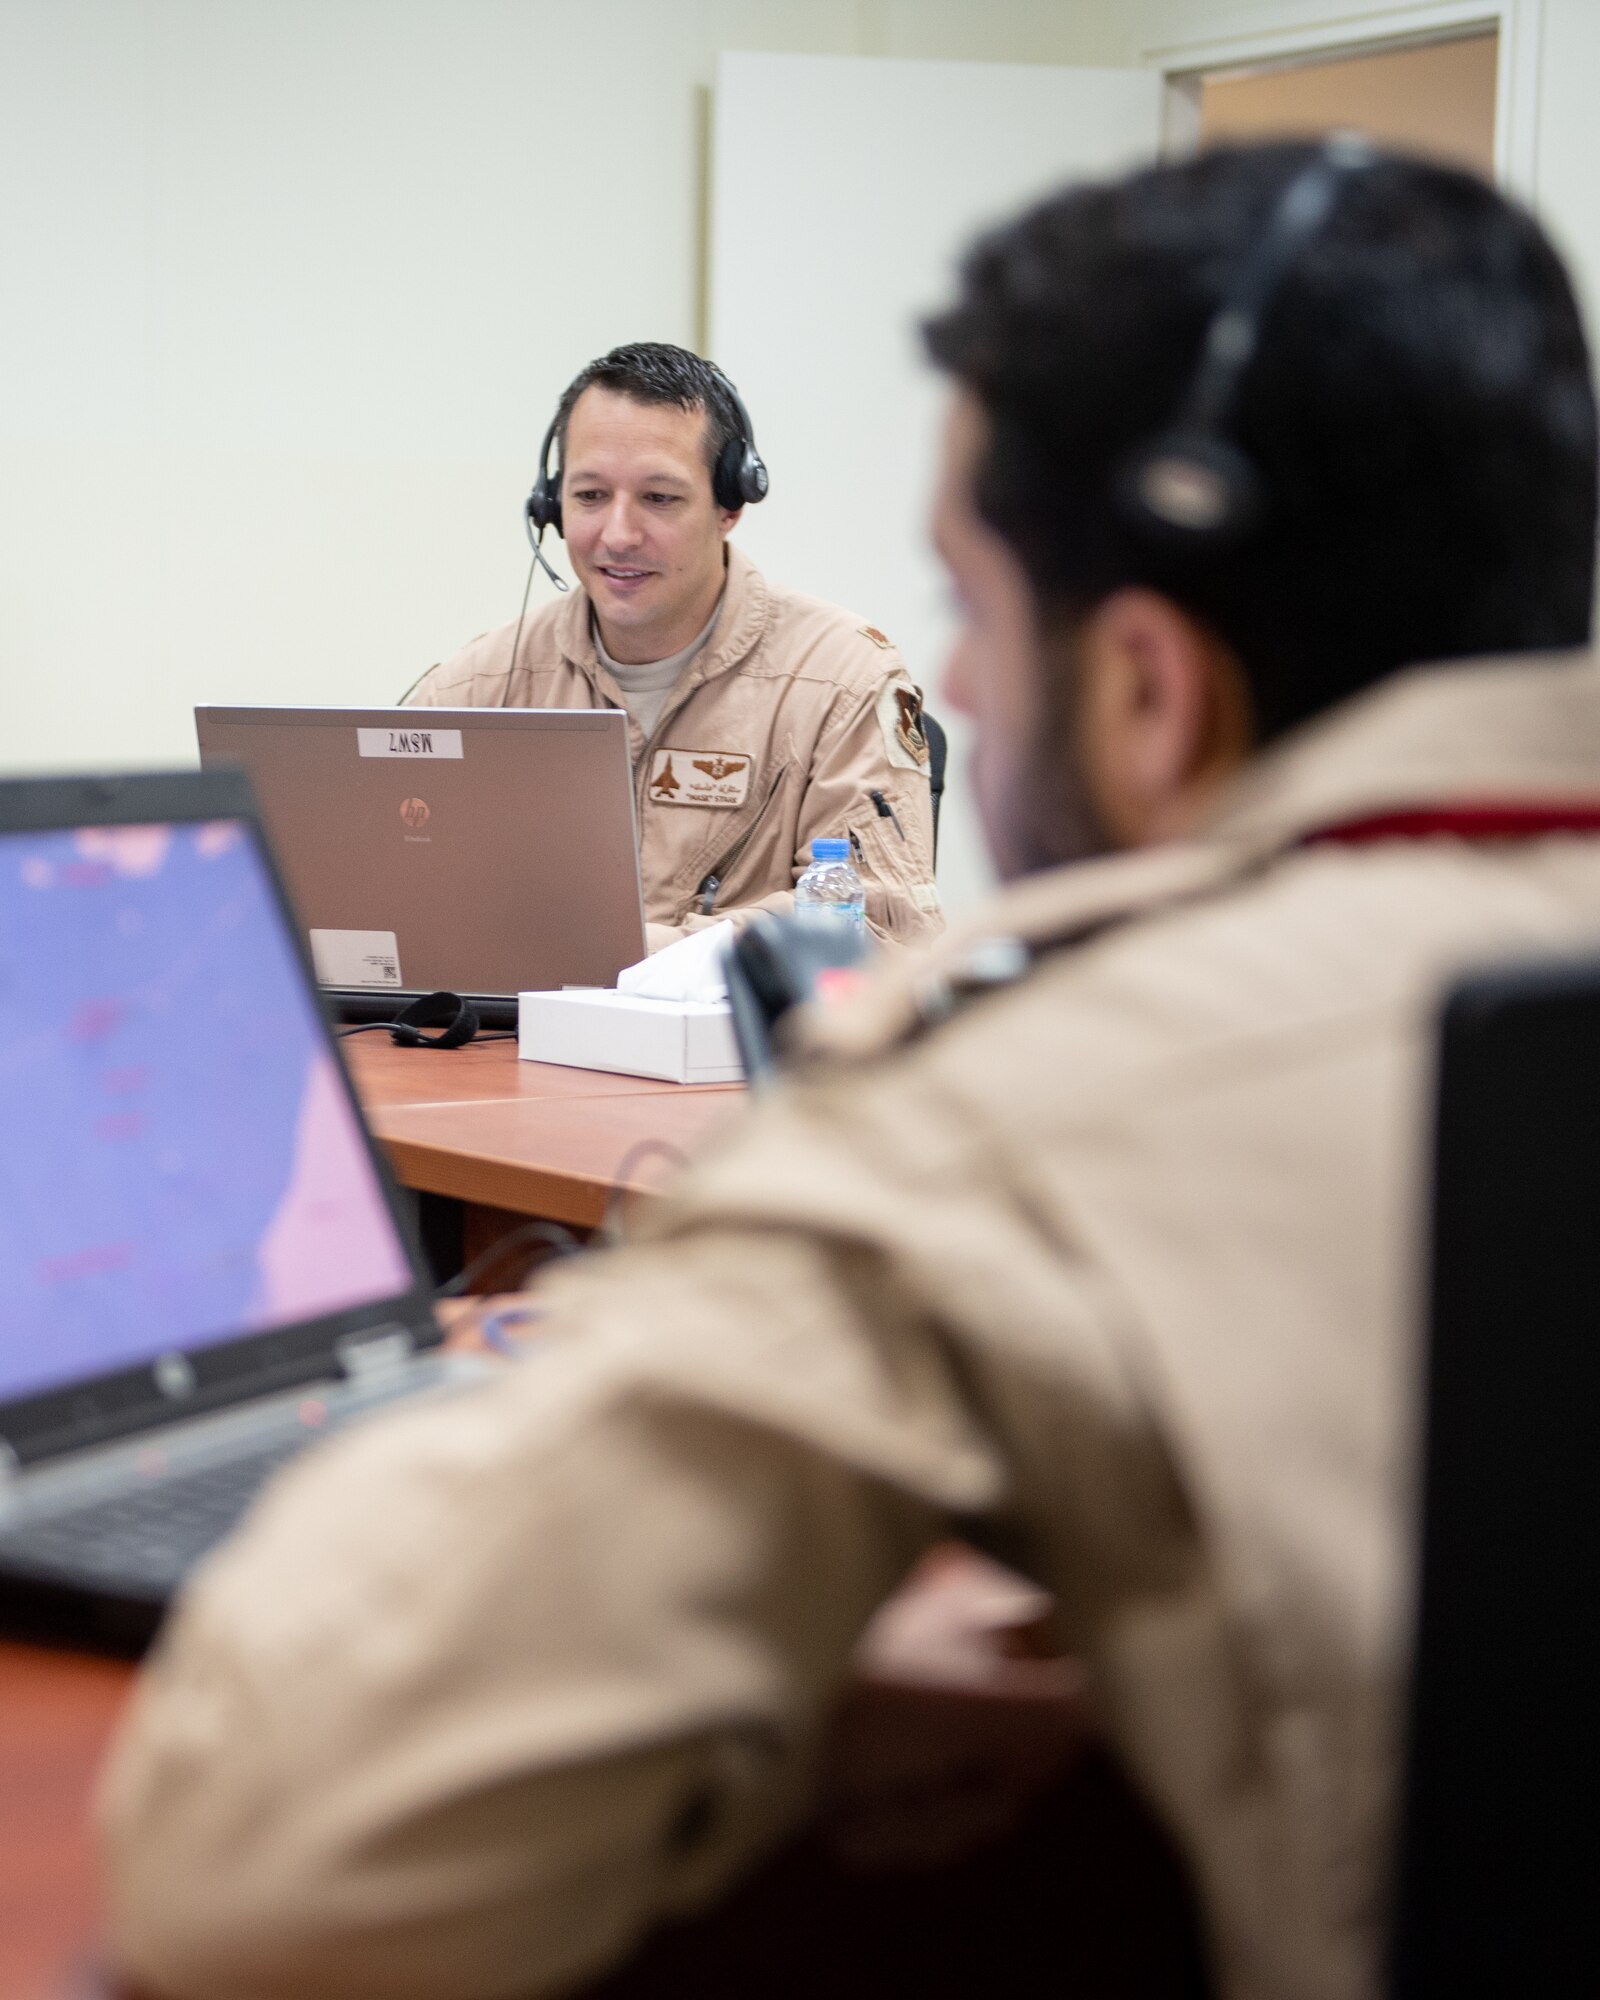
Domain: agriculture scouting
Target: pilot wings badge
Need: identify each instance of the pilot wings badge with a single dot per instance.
(718, 778)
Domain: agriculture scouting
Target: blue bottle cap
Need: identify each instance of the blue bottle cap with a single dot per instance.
(830, 850)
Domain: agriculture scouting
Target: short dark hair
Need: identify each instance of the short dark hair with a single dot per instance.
(653, 371)
(1419, 409)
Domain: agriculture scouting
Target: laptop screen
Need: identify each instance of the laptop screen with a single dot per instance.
(182, 1164)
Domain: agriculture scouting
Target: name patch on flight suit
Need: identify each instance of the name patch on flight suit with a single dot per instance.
(699, 778)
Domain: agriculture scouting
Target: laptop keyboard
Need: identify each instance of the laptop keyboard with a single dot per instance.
(150, 1536)
(140, 1539)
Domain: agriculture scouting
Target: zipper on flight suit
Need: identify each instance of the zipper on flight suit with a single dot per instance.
(711, 882)
(677, 702)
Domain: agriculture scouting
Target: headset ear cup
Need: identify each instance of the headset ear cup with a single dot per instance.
(543, 508)
(543, 505)
(753, 481)
(725, 478)
(740, 479)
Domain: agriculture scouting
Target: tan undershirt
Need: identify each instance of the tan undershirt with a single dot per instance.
(645, 688)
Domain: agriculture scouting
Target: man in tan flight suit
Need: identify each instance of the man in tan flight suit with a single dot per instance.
(759, 719)
(1096, 1233)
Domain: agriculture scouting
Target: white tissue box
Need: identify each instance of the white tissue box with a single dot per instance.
(680, 1041)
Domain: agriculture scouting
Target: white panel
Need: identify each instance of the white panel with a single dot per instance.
(844, 188)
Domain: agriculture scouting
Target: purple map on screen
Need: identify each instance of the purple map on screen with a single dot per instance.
(181, 1162)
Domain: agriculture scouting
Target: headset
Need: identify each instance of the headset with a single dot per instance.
(455, 1018)
(1192, 486)
(738, 479)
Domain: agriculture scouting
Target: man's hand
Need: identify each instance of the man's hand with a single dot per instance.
(957, 1722)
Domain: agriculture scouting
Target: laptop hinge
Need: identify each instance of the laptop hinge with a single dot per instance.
(372, 1355)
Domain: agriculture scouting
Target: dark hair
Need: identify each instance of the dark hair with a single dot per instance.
(652, 371)
(1419, 409)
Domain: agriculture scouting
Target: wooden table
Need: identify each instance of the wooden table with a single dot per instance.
(509, 1139)
(529, 1138)
(57, 1714)
(56, 1717)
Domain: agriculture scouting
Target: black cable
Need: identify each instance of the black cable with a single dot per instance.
(371, 1027)
(641, 1150)
(521, 616)
(561, 1240)
(410, 691)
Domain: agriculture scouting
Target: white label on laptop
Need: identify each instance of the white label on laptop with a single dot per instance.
(356, 958)
(409, 742)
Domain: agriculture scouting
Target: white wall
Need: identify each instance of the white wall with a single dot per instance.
(1567, 150)
(289, 288)
(827, 250)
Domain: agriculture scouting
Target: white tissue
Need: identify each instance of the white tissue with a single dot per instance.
(691, 969)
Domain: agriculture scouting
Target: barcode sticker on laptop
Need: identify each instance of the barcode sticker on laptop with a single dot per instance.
(409, 742)
(356, 958)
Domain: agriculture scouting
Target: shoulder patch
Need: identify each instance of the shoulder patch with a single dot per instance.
(880, 639)
(900, 718)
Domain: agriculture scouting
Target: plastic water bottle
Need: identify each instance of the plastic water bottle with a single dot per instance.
(830, 892)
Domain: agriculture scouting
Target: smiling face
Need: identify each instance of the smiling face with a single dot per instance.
(645, 535)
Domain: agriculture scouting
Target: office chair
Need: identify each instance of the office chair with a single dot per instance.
(938, 750)
(1500, 1839)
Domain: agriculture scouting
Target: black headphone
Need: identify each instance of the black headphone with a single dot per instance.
(457, 1019)
(1192, 486)
(738, 479)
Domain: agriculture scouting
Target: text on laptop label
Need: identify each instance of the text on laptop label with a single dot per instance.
(409, 742)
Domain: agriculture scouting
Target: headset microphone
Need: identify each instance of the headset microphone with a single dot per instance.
(1192, 485)
(539, 556)
(542, 508)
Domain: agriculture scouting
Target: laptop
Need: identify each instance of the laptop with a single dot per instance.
(1500, 1832)
(203, 1267)
(485, 852)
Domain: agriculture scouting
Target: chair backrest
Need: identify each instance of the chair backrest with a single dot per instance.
(938, 751)
(1500, 1843)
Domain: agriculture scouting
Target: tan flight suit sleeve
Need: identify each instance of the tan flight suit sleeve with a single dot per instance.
(474, 677)
(863, 748)
(427, 693)
(478, 1695)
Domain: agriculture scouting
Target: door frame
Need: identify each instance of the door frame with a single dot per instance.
(1238, 37)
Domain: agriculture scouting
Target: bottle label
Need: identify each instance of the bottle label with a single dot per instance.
(831, 916)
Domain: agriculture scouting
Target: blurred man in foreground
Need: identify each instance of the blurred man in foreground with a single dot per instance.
(1096, 1235)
